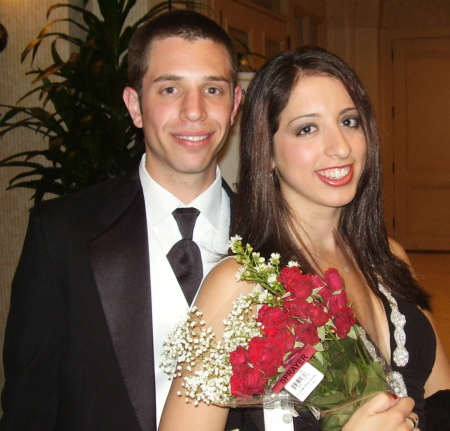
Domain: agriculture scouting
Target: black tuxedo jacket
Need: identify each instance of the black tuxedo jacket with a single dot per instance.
(78, 349)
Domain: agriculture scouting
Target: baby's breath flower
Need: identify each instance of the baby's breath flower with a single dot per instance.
(272, 278)
(211, 382)
(275, 257)
(235, 244)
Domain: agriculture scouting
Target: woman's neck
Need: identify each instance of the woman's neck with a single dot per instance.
(318, 231)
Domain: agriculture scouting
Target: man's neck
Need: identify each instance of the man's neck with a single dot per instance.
(187, 191)
(186, 187)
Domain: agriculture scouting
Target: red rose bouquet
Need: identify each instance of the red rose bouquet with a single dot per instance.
(294, 337)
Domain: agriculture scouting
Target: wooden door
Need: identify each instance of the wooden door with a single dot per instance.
(422, 142)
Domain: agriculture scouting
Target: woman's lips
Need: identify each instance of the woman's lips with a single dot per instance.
(336, 177)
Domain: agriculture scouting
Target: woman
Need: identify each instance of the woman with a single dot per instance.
(310, 189)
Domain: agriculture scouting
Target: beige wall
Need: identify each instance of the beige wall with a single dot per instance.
(23, 20)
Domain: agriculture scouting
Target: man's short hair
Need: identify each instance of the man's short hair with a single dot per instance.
(183, 23)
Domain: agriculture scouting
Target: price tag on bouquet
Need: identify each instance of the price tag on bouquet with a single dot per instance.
(304, 381)
(300, 378)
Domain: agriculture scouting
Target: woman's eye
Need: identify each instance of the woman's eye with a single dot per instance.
(351, 122)
(307, 130)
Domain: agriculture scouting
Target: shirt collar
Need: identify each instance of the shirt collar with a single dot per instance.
(162, 203)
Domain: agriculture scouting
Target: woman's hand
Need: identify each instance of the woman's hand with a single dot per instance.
(384, 412)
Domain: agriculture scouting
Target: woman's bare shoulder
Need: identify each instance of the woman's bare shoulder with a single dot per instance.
(225, 267)
(221, 285)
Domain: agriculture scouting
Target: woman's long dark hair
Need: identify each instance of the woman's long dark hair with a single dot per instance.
(263, 218)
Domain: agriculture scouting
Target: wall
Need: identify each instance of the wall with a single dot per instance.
(407, 14)
(23, 20)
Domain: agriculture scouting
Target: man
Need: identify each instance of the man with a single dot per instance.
(94, 294)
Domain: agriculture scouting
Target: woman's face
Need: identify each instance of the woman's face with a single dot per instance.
(320, 147)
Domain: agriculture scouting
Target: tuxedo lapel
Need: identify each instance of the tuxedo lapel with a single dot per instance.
(227, 188)
(232, 196)
(120, 262)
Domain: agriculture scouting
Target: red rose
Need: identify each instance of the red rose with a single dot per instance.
(303, 288)
(317, 281)
(270, 372)
(343, 321)
(238, 357)
(247, 381)
(272, 316)
(283, 335)
(296, 307)
(265, 353)
(317, 314)
(288, 275)
(333, 279)
(299, 285)
(306, 333)
(326, 294)
(337, 301)
(334, 284)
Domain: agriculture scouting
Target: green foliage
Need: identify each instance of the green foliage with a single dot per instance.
(89, 134)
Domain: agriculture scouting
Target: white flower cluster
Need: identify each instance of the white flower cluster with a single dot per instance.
(241, 325)
(188, 342)
(191, 343)
(255, 268)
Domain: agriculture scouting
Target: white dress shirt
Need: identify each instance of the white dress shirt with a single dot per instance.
(211, 234)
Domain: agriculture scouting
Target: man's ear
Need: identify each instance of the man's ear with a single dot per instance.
(131, 99)
(236, 102)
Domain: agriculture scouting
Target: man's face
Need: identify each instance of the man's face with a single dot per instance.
(188, 105)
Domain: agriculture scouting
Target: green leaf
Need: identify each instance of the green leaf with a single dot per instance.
(352, 377)
(331, 423)
(321, 332)
(328, 401)
(376, 380)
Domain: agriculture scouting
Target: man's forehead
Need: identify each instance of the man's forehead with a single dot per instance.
(173, 51)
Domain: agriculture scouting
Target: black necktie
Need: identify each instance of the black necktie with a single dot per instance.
(185, 256)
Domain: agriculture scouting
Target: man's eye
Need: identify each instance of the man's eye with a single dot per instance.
(169, 90)
(212, 90)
